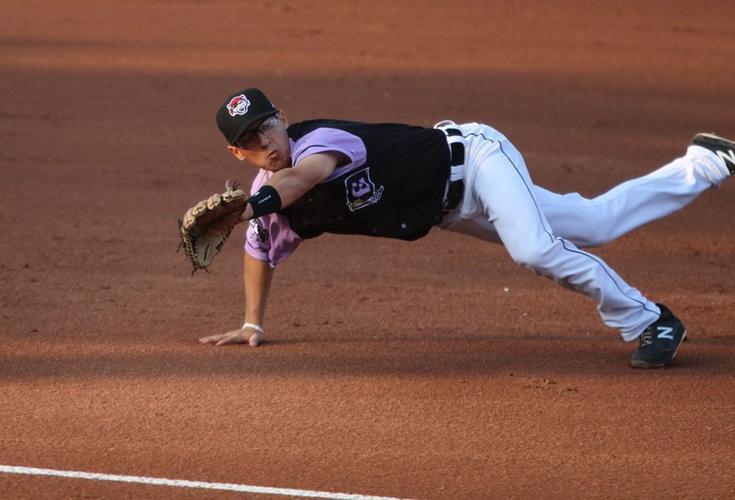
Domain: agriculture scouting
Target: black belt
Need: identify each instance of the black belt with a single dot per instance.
(455, 188)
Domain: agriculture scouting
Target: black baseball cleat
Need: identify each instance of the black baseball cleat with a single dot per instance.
(720, 146)
(660, 341)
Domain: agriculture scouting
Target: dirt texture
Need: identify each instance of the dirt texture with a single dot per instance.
(437, 369)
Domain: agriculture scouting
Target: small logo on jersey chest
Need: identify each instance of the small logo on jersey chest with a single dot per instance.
(361, 191)
(238, 105)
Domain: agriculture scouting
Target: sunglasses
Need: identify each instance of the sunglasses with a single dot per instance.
(251, 140)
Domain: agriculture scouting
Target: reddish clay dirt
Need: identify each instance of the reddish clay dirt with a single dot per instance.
(391, 368)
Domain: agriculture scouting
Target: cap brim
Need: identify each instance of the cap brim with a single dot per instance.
(254, 123)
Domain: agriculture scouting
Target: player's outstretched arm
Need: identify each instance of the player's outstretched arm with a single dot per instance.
(257, 277)
(290, 184)
(293, 183)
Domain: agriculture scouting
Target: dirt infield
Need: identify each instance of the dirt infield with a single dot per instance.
(436, 369)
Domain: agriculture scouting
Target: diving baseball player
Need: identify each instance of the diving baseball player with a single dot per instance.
(399, 181)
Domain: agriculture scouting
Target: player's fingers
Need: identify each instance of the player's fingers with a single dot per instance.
(226, 340)
(235, 337)
(209, 339)
(214, 339)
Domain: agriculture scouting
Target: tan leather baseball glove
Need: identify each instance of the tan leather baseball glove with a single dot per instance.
(206, 226)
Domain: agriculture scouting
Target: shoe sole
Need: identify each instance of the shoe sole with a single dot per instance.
(644, 364)
(706, 136)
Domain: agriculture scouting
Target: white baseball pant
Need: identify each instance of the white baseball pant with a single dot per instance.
(543, 231)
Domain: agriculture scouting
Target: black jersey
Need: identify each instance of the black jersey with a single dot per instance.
(393, 184)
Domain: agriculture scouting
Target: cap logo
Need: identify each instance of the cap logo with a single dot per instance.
(238, 105)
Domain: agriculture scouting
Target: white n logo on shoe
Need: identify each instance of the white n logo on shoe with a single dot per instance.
(729, 156)
(664, 332)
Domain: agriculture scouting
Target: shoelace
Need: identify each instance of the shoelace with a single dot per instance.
(646, 338)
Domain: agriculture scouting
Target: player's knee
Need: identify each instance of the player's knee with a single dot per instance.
(597, 230)
(592, 239)
(532, 256)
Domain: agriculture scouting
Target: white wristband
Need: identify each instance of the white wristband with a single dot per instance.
(253, 326)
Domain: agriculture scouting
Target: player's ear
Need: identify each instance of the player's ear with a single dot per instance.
(282, 116)
(236, 152)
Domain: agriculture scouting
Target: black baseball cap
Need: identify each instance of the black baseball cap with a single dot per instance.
(242, 112)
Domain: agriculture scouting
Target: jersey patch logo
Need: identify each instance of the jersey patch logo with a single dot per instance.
(238, 105)
(259, 230)
(361, 191)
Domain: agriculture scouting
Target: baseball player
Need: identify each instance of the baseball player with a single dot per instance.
(399, 181)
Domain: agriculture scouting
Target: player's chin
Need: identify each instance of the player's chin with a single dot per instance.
(277, 163)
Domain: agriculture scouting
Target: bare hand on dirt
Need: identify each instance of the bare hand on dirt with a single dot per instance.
(244, 336)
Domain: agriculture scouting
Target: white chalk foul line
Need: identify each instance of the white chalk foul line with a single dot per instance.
(244, 488)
